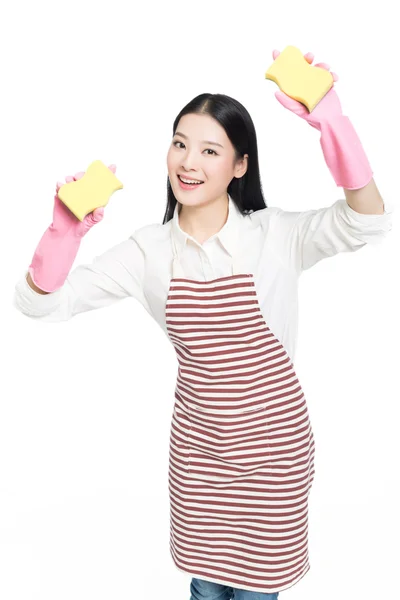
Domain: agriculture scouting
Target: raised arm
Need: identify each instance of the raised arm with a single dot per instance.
(50, 292)
(304, 238)
(116, 274)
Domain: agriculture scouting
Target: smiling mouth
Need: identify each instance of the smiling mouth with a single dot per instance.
(199, 183)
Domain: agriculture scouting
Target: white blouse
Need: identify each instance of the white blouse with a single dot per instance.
(273, 244)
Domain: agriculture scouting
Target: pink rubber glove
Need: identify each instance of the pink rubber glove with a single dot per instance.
(340, 143)
(59, 245)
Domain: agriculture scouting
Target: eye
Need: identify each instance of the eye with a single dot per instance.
(209, 149)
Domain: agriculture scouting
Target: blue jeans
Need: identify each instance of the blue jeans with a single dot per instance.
(208, 590)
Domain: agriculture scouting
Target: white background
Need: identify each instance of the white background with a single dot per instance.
(86, 405)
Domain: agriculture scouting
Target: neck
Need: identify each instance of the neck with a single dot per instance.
(202, 222)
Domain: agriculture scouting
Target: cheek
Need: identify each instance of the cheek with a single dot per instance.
(171, 161)
(218, 167)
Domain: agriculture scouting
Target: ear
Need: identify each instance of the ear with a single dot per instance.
(241, 166)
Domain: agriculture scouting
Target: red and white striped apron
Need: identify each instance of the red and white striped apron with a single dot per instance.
(241, 459)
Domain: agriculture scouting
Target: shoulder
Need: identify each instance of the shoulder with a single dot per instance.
(266, 218)
(152, 235)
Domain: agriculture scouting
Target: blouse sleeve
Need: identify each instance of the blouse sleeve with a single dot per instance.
(304, 238)
(114, 275)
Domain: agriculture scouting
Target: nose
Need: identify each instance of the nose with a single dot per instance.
(188, 162)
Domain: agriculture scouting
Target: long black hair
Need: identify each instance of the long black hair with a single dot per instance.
(245, 191)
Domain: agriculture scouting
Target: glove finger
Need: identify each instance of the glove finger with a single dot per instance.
(322, 65)
(113, 168)
(79, 175)
(327, 67)
(98, 214)
(94, 217)
(291, 104)
(69, 178)
(87, 223)
(309, 56)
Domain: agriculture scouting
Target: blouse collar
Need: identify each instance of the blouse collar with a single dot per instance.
(227, 235)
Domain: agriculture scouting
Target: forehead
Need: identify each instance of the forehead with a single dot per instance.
(201, 128)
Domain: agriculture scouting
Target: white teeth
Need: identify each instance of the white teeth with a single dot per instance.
(189, 180)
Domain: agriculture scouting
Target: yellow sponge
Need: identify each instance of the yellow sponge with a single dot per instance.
(92, 191)
(298, 79)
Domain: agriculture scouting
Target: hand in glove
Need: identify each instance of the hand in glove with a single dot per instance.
(59, 245)
(340, 144)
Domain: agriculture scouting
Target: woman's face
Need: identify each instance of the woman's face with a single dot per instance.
(194, 158)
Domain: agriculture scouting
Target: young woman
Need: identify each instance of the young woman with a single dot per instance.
(220, 277)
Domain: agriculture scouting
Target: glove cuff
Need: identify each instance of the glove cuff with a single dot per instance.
(344, 153)
(53, 259)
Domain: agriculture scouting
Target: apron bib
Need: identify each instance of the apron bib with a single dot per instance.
(241, 460)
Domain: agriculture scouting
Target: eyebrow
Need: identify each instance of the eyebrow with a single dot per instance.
(204, 141)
